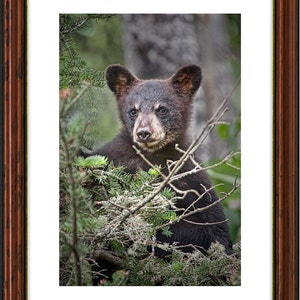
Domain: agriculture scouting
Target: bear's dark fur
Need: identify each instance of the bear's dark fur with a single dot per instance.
(155, 115)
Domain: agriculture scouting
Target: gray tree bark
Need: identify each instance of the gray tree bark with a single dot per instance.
(157, 45)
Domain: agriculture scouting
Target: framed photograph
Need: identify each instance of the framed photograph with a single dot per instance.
(270, 147)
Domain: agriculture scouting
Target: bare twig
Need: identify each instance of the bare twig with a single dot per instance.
(207, 223)
(201, 209)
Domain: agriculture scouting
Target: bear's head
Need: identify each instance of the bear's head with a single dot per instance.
(154, 112)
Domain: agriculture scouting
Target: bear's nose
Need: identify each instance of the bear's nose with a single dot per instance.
(143, 134)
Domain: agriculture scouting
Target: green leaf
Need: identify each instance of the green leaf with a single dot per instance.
(95, 161)
(177, 266)
(166, 231)
(154, 171)
(223, 130)
(168, 193)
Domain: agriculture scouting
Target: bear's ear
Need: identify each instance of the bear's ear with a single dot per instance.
(186, 80)
(119, 79)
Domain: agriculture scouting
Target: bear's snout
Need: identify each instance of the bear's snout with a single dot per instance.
(148, 132)
(143, 134)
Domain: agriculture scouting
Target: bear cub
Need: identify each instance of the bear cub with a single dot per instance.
(155, 115)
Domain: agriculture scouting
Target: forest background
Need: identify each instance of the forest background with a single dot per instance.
(150, 46)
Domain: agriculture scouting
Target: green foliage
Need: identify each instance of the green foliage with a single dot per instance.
(96, 161)
(87, 44)
(223, 176)
(230, 131)
(184, 269)
(73, 69)
(168, 193)
(108, 194)
(101, 44)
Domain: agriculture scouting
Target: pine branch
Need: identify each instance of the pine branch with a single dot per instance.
(74, 209)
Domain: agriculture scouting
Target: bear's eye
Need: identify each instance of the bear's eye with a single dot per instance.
(162, 110)
(133, 112)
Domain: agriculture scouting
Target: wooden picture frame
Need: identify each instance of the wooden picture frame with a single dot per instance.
(285, 154)
(286, 151)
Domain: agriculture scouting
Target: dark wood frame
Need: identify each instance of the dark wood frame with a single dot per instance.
(14, 150)
(286, 151)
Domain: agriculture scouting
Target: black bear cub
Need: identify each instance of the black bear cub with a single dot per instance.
(155, 115)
